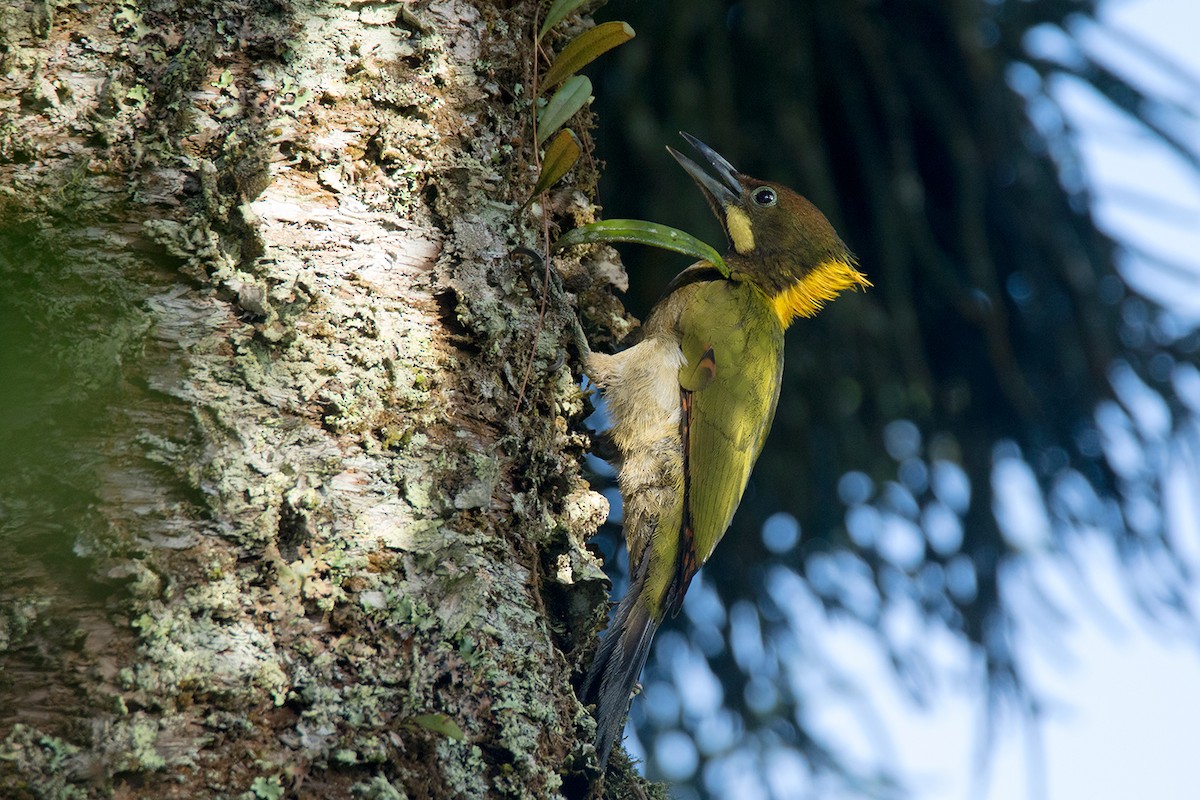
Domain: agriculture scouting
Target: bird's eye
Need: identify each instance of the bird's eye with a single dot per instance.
(765, 197)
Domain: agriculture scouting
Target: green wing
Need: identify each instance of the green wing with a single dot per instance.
(733, 350)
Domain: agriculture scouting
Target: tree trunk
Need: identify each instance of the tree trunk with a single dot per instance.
(291, 501)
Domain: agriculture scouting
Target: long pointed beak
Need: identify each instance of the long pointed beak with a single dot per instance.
(719, 193)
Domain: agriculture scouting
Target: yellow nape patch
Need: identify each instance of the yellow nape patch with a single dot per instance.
(805, 297)
(738, 225)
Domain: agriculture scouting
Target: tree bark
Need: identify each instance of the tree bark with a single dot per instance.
(293, 502)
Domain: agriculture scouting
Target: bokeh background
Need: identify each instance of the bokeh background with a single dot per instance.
(966, 564)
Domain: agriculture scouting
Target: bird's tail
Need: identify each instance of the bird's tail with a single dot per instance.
(618, 663)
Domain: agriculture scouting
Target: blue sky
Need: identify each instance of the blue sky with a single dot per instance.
(1122, 693)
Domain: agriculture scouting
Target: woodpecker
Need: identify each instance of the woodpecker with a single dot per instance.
(691, 403)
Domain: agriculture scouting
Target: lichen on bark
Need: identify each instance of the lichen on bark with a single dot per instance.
(304, 446)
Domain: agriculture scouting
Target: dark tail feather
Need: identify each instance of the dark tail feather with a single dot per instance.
(619, 661)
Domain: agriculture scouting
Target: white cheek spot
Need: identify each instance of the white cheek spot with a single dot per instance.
(738, 225)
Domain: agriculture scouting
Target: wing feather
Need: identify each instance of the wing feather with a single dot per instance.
(733, 351)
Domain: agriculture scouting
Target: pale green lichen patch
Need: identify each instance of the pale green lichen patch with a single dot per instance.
(18, 619)
(44, 761)
(480, 486)
(190, 656)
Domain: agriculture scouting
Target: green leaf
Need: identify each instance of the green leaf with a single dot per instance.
(561, 154)
(440, 723)
(558, 11)
(584, 49)
(573, 95)
(647, 233)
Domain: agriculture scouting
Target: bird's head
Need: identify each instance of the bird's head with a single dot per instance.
(778, 240)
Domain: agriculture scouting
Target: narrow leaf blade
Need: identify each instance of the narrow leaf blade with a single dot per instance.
(573, 95)
(640, 232)
(440, 723)
(558, 11)
(561, 154)
(585, 48)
